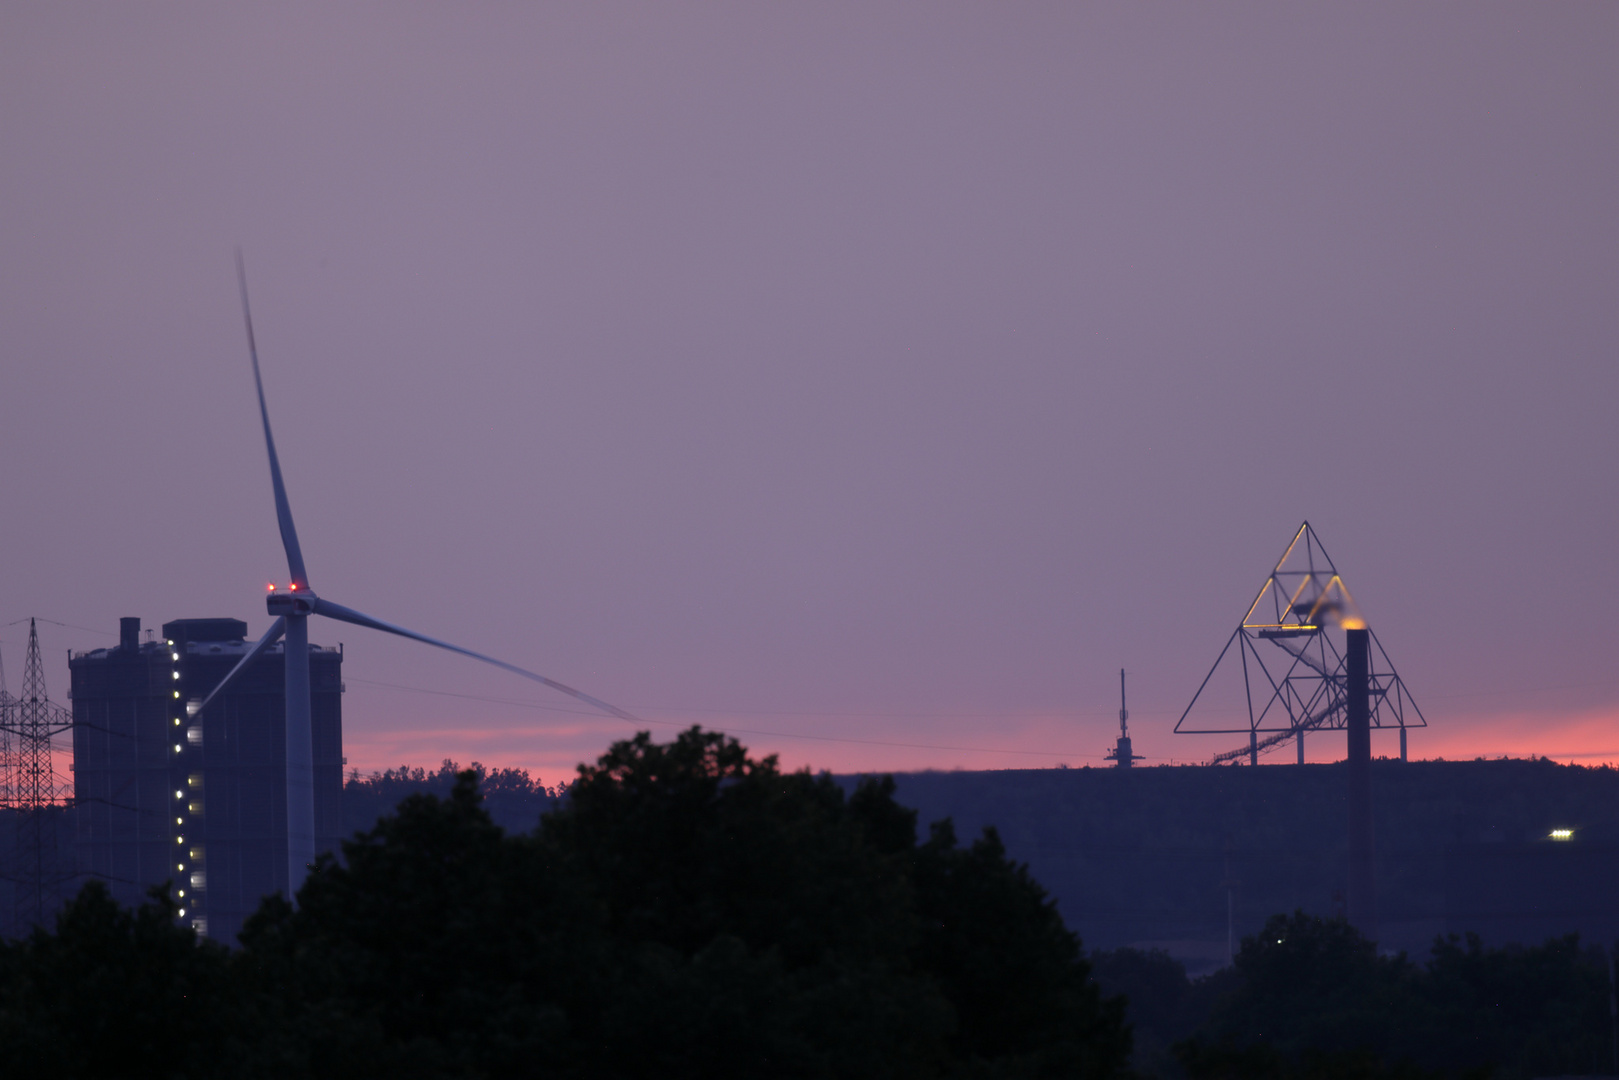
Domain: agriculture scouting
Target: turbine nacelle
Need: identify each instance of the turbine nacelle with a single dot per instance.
(292, 601)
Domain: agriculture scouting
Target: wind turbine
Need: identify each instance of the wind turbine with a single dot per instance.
(292, 610)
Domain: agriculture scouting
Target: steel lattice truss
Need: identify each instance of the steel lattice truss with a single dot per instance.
(28, 726)
(29, 784)
(1290, 645)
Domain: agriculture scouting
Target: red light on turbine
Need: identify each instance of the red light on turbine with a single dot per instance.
(293, 586)
(271, 586)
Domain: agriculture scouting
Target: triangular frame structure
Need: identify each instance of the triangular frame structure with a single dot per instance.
(1287, 695)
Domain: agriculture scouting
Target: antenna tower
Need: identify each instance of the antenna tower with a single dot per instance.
(32, 788)
(1294, 674)
(1121, 751)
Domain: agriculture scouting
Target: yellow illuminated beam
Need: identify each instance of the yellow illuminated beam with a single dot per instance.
(1263, 589)
(1325, 592)
(1309, 579)
(1274, 571)
(1290, 548)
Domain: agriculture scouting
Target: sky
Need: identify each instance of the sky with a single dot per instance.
(872, 381)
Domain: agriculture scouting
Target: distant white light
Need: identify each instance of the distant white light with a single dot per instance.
(179, 794)
(176, 674)
(1562, 834)
(179, 839)
(174, 656)
(181, 866)
(179, 821)
(182, 912)
(177, 693)
(176, 748)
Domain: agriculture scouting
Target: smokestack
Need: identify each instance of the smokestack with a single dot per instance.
(1362, 886)
(129, 635)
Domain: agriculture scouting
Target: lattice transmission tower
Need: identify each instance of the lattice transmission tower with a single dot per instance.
(33, 790)
(8, 751)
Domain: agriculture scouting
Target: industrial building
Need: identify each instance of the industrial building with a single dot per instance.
(196, 801)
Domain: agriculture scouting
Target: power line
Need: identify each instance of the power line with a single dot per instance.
(739, 712)
(69, 626)
(744, 731)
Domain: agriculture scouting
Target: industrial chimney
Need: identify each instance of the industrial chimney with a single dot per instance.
(1362, 885)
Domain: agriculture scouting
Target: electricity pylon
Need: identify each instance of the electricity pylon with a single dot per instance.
(32, 787)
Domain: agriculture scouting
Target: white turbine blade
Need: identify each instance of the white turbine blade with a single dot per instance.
(277, 628)
(283, 510)
(349, 615)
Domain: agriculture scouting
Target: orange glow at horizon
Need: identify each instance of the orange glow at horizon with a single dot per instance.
(843, 746)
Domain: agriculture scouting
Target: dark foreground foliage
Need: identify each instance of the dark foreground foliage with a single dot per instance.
(1310, 997)
(117, 993)
(686, 912)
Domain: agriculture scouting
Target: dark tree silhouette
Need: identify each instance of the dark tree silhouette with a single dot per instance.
(123, 993)
(687, 911)
(1312, 997)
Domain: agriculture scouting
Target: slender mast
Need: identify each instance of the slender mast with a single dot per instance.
(1124, 713)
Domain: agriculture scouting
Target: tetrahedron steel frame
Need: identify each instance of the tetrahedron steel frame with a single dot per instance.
(1290, 644)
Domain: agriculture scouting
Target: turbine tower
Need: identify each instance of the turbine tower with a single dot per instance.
(292, 609)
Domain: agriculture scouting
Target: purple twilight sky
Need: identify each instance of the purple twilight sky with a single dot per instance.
(874, 380)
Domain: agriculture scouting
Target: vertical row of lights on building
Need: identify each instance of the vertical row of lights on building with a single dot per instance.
(188, 806)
